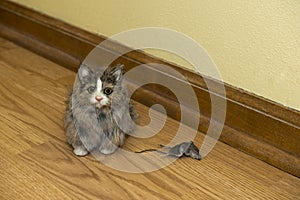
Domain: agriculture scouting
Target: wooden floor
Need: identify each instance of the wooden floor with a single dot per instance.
(36, 162)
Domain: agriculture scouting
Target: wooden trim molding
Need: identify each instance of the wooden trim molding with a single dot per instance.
(257, 126)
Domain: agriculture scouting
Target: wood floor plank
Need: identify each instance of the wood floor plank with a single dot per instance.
(19, 181)
(6, 45)
(89, 179)
(239, 176)
(38, 104)
(37, 163)
(23, 59)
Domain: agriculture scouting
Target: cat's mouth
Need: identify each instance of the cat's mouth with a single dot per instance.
(98, 106)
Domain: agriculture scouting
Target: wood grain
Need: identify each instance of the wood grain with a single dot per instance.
(37, 163)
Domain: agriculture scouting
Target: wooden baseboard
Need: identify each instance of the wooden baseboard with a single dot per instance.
(257, 126)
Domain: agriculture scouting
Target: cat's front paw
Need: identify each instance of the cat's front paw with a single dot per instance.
(108, 148)
(80, 151)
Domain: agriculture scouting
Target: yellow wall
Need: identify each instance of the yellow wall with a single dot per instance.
(255, 44)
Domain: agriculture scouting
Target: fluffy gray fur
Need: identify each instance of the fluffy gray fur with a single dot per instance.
(93, 125)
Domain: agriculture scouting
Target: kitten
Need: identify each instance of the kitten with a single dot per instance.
(99, 113)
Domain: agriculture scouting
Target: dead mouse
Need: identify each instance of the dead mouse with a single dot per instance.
(188, 149)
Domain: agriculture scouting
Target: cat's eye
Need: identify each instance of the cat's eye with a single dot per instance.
(107, 91)
(91, 89)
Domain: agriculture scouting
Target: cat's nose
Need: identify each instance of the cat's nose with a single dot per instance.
(98, 98)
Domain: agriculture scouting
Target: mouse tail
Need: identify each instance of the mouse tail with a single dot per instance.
(163, 146)
(145, 150)
(150, 150)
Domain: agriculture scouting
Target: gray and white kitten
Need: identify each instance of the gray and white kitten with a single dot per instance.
(99, 113)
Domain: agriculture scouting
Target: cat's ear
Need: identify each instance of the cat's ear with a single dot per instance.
(117, 72)
(84, 73)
